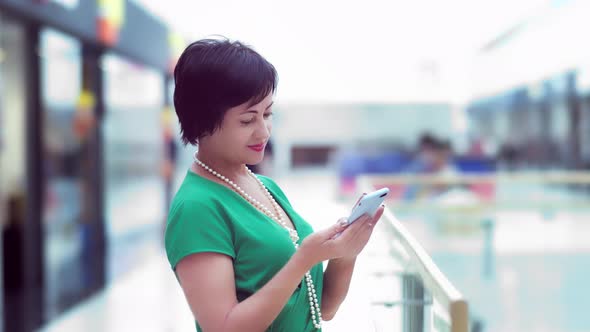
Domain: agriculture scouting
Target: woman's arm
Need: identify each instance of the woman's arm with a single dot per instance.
(207, 280)
(339, 271)
(336, 284)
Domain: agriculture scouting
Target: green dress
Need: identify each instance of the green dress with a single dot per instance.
(206, 216)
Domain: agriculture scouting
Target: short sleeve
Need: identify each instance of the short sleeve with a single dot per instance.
(195, 227)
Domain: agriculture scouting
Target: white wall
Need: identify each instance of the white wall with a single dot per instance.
(348, 125)
(550, 43)
(321, 124)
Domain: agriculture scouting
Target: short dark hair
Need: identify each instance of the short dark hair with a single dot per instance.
(214, 75)
(427, 141)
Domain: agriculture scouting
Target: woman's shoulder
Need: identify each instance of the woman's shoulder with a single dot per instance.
(197, 223)
(196, 192)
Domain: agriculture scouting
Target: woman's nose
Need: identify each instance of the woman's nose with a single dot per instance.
(263, 130)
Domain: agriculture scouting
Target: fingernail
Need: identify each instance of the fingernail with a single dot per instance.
(343, 222)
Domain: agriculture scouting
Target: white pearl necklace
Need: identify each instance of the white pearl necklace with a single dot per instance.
(314, 306)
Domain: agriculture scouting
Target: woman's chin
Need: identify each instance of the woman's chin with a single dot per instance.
(254, 160)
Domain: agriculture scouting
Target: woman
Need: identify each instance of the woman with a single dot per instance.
(244, 258)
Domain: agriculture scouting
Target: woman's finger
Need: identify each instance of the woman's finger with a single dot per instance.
(360, 222)
(378, 214)
(333, 230)
(369, 225)
(373, 221)
(343, 221)
(354, 228)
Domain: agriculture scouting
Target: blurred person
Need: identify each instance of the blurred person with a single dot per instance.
(510, 155)
(443, 163)
(246, 261)
(434, 157)
(425, 154)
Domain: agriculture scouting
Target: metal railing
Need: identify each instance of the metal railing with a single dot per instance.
(427, 294)
(423, 284)
(496, 181)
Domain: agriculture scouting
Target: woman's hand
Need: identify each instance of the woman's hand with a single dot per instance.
(329, 244)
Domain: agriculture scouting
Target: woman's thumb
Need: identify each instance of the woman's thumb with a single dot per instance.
(338, 227)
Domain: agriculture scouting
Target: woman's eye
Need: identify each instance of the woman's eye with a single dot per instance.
(245, 122)
(268, 115)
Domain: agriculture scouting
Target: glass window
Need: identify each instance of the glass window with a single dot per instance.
(133, 155)
(61, 72)
(12, 114)
(560, 121)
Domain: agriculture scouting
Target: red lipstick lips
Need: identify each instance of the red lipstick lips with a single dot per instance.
(257, 148)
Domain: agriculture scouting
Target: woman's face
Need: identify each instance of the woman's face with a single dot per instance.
(243, 134)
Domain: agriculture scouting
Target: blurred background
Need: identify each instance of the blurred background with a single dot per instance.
(476, 115)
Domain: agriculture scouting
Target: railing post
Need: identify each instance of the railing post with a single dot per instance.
(488, 248)
(413, 303)
(459, 313)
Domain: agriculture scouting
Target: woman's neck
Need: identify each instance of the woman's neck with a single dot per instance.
(232, 171)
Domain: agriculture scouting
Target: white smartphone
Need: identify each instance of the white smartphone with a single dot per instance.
(368, 204)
